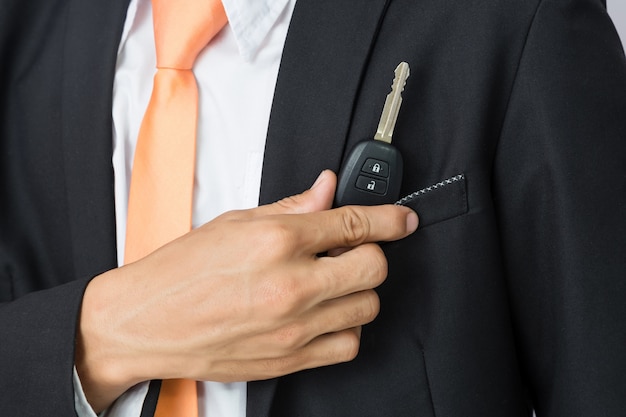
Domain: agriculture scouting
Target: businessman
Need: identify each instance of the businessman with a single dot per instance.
(508, 299)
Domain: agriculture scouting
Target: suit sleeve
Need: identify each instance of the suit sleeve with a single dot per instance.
(560, 187)
(37, 352)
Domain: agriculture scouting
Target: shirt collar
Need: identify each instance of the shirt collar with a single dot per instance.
(251, 21)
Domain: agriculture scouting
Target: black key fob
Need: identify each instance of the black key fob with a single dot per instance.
(372, 175)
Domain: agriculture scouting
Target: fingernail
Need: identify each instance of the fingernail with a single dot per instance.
(411, 222)
(319, 180)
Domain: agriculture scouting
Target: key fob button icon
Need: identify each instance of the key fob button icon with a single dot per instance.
(376, 167)
(372, 185)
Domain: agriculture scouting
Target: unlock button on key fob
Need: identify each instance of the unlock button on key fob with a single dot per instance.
(372, 185)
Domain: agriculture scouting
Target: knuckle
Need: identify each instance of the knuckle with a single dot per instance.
(288, 203)
(372, 307)
(276, 237)
(282, 298)
(232, 215)
(364, 310)
(376, 263)
(381, 264)
(355, 225)
(351, 343)
(276, 367)
(291, 337)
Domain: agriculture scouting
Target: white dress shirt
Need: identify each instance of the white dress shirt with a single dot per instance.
(236, 76)
(617, 11)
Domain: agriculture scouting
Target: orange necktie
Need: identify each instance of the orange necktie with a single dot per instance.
(161, 189)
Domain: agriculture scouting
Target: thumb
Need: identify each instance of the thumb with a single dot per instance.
(317, 198)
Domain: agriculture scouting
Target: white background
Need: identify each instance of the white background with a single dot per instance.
(617, 10)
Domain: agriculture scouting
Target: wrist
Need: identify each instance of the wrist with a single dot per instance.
(101, 359)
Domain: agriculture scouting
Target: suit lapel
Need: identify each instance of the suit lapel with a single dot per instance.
(93, 32)
(327, 49)
(325, 55)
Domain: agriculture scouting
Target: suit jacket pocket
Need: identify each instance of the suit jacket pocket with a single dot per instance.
(438, 202)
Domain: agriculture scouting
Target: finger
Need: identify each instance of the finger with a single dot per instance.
(353, 310)
(326, 278)
(331, 316)
(319, 197)
(351, 226)
(328, 349)
(362, 268)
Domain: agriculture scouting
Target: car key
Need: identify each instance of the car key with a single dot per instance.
(372, 174)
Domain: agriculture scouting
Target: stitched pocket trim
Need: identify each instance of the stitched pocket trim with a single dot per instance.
(440, 201)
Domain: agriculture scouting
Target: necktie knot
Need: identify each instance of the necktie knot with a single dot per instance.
(182, 28)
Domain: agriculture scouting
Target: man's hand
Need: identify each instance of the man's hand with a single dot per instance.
(242, 298)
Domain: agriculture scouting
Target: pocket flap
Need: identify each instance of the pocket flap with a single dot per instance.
(438, 202)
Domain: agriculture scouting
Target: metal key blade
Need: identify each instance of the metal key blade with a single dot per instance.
(392, 104)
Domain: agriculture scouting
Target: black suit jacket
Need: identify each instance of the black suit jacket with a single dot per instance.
(513, 130)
